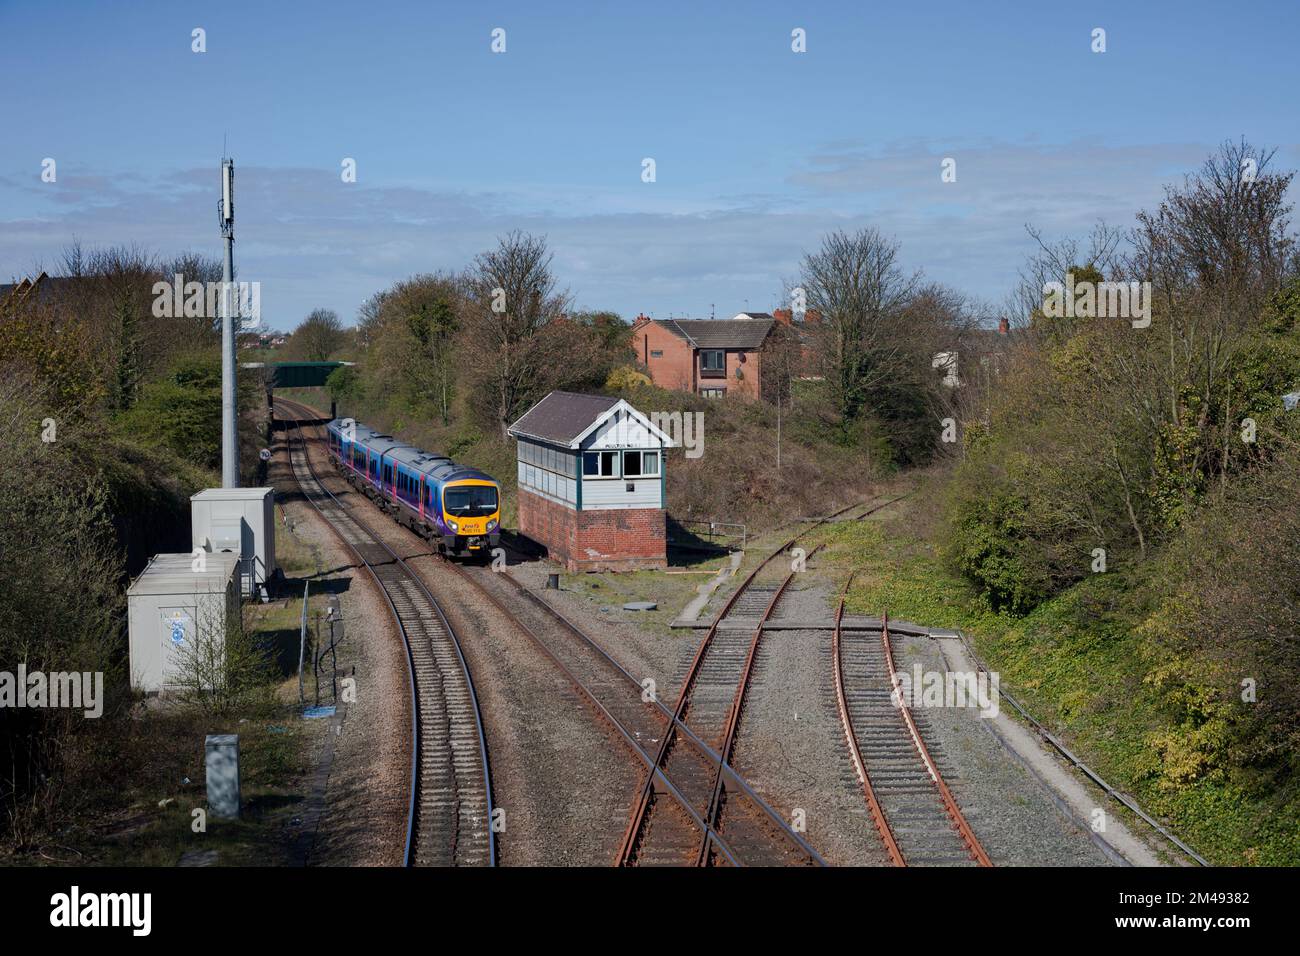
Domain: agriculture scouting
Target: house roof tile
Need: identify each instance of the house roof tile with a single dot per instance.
(747, 334)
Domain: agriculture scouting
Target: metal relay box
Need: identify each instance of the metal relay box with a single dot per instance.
(239, 520)
(173, 609)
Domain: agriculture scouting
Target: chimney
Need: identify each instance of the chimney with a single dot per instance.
(783, 316)
(1003, 326)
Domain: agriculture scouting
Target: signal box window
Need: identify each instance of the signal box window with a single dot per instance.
(640, 464)
(600, 464)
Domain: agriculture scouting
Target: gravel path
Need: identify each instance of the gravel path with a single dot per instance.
(643, 653)
(791, 748)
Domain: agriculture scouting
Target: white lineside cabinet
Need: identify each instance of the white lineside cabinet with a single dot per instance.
(174, 612)
(239, 520)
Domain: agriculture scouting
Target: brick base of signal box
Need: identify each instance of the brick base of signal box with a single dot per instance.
(614, 540)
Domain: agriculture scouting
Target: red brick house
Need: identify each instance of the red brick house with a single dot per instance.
(710, 357)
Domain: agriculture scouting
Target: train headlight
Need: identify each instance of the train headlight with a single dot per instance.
(492, 524)
(453, 526)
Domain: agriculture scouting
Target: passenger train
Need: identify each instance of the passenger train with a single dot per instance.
(458, 509)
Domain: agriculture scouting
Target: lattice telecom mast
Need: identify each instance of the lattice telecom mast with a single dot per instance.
(229, 396)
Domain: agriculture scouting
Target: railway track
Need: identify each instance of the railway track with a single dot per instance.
(909, 800)
(711, 703)
(693, 808)
(449, 820)
(638, 719)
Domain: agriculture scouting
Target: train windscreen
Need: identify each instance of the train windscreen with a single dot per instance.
(470, 500)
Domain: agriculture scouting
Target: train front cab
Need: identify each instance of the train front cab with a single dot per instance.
(470, 516)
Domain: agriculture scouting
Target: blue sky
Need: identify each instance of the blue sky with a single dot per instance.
(759, 151)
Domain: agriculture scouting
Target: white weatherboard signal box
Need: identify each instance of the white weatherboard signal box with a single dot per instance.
(241, 521)
(175, 612)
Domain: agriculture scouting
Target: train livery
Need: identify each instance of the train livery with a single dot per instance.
(457, 508)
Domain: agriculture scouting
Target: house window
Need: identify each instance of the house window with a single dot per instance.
(713, 392)
(600, 464)
(713, 360)
(656, 353)
(640, 464)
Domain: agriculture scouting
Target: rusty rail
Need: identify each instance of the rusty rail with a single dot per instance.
(972, 842)
(638, 817)
(851, 738)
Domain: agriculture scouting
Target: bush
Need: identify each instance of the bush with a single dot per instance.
(991, 542)
(181, 412)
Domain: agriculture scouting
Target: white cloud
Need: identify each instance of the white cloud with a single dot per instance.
(313, 241)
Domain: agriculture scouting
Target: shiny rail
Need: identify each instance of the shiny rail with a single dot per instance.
(449, 817)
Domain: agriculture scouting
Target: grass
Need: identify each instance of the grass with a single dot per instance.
(1077, 664)
(152, 822)
(671, 592)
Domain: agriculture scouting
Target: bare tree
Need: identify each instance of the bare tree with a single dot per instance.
(856, 284)
(512, 297)
(1050, 262)
(319, 336)
(1218, 246)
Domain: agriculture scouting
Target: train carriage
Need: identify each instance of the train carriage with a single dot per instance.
(457, 508)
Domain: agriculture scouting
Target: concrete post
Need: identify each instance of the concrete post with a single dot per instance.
(223, 775)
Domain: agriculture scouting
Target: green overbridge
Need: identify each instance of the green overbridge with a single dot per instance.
(296, 374)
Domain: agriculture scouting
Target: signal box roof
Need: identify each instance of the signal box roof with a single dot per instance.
(566, 418)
